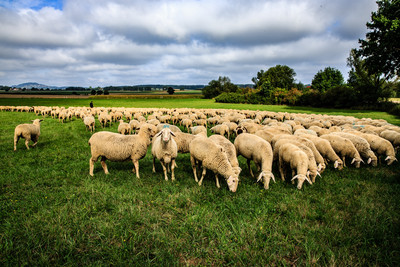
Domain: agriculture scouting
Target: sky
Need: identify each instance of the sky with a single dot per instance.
(131, 42)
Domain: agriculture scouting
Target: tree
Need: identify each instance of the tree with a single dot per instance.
(326, 79)
(217, 87)
(171, 90)
(280, 76)
(106, 92)
(369, 87)
(93, 92)
(381, 47)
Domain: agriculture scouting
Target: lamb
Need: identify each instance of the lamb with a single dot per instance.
(212, 157)
(230, 151)
(220, 129)
(362, 147)
(28, 132)
(325, 149)
(297, 160)
(89, 122)
(253, 147)
(344, 148)
(118, 147)
(124, 128)
(164, 148)
(379, 145)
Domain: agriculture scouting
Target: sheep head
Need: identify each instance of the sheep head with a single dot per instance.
(266, 176)
(165, 134)
(390, 160)
(301, 178)
(338, 164)
(357, 162)
(36, 121)
(233, 182)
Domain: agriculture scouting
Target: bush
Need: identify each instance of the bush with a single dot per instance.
(339, 97)
(310, 98)
(230, 98)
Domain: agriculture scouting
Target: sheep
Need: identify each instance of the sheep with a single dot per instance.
(134, 125)
(392, 136)
(325, 149)
(230, 151)
(164, 148)
(312, 165)
(255, 148)
(104, 118)
(28, 132)
(220, 129)
(344, 148)
(212, 157)
(379, 145)
(118, 147)
(292, 155)
(187, 123)
(89, 122)
(171, 127)
(362, 147)
(305, 131)
(199, 130)
(183, 140)
(318, 158)
(124, 128)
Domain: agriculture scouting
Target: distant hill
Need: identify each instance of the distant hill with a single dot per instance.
(31, 85)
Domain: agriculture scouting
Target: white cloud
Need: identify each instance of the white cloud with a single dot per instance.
(98, 42)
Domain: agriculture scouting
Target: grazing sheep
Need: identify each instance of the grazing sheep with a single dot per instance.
(187, 123)
(253, 147)
(124, 128)
(118, 147)
(230, 151)
(292, 156)
(28, 132)
(392, 136)
(344, 148)
(220, 129)
(325, 149)
(362, 147)
(164, 148)
(379, 145)
(104, 118)
(211, 156)
(89, 122)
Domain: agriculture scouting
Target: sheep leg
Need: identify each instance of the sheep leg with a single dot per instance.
(281, 170)
(16, 138)
(136, 164)
(92, 160)
(27, 142)
(248, 164)
(154, 164)
(217, 180)
(104, 165)
(193, 162)
(165, 170)
(173, 170)
(344, 161)
(35, 140)
(202, 175)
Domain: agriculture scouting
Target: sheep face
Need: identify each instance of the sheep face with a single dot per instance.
(389, 160)
(233, 183)
(301, 178)
(266, 177)
(165, 134)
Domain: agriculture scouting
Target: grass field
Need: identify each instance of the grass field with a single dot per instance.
(54, 213)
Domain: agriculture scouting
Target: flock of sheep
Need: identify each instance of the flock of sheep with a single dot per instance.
(301, 144)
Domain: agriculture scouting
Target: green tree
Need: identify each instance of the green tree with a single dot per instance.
(217, 87)
(93, 92)
(326, 79)
(171, 90)
(280, 76)
(370, 88)
(381, 47)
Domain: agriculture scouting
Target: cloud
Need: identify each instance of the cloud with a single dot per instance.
(98, 42)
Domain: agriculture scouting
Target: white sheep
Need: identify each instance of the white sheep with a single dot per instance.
(362, 147)
(89, 122)
(104, 118)
(221, 129)
(230, 151)
(118, 147)
(199, 130)
(392, 136)
(211, 156)
(28, 132)
(292, 156)
(183, 140)
(124, 128)
(253, 147)
(170, 126)
(344, 148)
(326, 150)
(164, 148)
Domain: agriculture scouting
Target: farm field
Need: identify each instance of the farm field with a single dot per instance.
(54, 213)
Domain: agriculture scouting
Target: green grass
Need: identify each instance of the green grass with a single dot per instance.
(54, 213)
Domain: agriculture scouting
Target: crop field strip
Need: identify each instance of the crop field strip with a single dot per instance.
(54, 213)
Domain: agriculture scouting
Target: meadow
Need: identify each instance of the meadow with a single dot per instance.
(54, 213)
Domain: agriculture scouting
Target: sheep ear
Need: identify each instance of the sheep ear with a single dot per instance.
(172, 133)
(354, 159)
(273, 177)
(41, 120)
(295, 177)
(308, 180)
(259, 177)
(159, 134)
(369, 161)
(336, 165)
(387, 158)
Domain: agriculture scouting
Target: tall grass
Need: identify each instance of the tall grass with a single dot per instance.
(54, 213)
